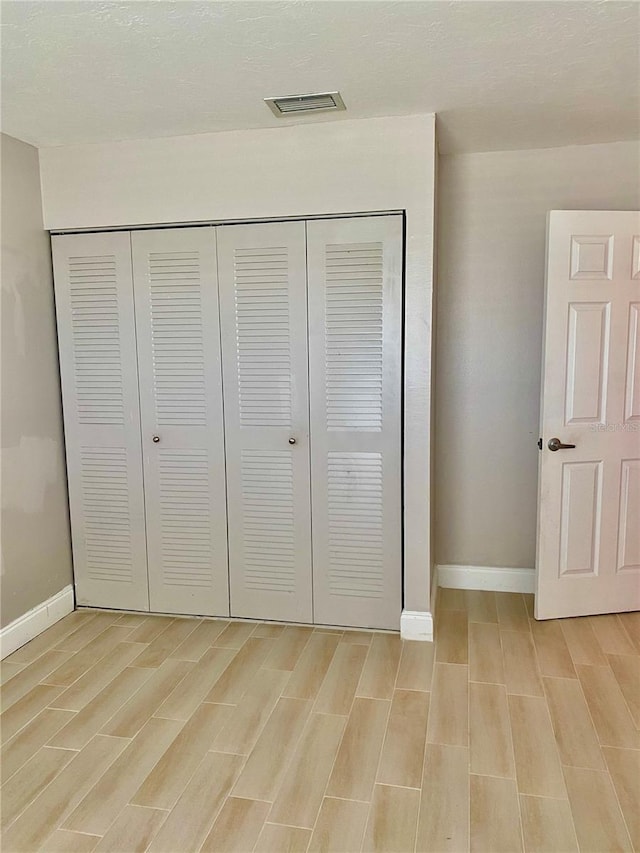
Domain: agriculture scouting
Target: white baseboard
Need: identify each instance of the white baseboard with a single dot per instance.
(416, 625)
(36, 620)
(487, 577)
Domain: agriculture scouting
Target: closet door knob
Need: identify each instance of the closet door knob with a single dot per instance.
(292, 441)
(156, 439)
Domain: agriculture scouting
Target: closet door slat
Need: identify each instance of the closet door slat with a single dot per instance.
(355, 352)
(264, 338)
(178, 329)
(96, 333)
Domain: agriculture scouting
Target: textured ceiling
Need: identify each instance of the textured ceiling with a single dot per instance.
(499, 74)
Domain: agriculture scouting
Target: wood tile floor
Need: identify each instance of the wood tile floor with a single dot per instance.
(126, 733)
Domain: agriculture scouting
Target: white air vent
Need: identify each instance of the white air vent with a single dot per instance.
(305, 103)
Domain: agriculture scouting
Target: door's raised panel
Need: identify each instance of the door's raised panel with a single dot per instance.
(356, 524)
(629, 515)
(632, 373)
(176, 293)
(263, 303)
(587, 362)
(353, 335)
(96, 333)
(635, 257)
(580, 518)
(177, 338)
(355, 340)
(592, 256)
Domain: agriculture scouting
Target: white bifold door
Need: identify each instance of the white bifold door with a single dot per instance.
(232, 403)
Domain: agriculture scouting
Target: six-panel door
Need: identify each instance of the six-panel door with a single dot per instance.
(588, 558)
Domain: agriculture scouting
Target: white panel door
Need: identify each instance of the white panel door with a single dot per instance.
(178, 328)
(355, 363)
(263, 304)
(94, 305)
(588, 556)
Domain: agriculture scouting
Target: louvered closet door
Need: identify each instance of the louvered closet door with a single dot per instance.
(176, 295)
(355, 347)
(94, 304)
(264, 338)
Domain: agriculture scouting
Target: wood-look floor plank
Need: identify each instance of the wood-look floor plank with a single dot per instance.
(581, 642)
(624, 769)
(443, 826)
(339, 686)
(452, 632)
(235, 635)
(596, 812)
(485, 653)
(552, 651)
(166, 643)
(404, 744)
(381, 667)
(96, 713)
(24, 710)
(393, 820)
(95, 679)
(449, 707)
(80, 662)
(132, 620)
(133, 830)
(99, 808)
(29, 740)
(275, 838)
(246, 722)
(150, 629)
(86, 631)
(288, 647)
(165, 783)
(631, 624)
(64, 841)
(538, 770)
(611, 636)
(267, 629)
(495, 816)
(416, 666)
(547, 825)
(362, 638)
(183, 700)
(356, 763)
(8, 669)
(311, 668)
(17, 687)
(237, 677)
(237, 827)
(60, 797)
(340, 826)
(520, 664)
(611, 716)
(512, 612)
(265, 767)
(575, 735)
(299, 798)
(450, 599)
(48, 639)
(490, 731)
(481, 605)
(132, 716)
(193, 815)
(30, 780)
(201, 639)
(626, 669)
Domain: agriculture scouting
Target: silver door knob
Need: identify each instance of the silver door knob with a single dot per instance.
(292, 441)
(556, 444)
(156, 439)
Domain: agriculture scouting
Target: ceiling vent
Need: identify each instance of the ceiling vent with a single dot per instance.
(322, 101)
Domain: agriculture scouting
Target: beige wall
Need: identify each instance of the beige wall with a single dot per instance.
(491, 240)
(36, 553)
